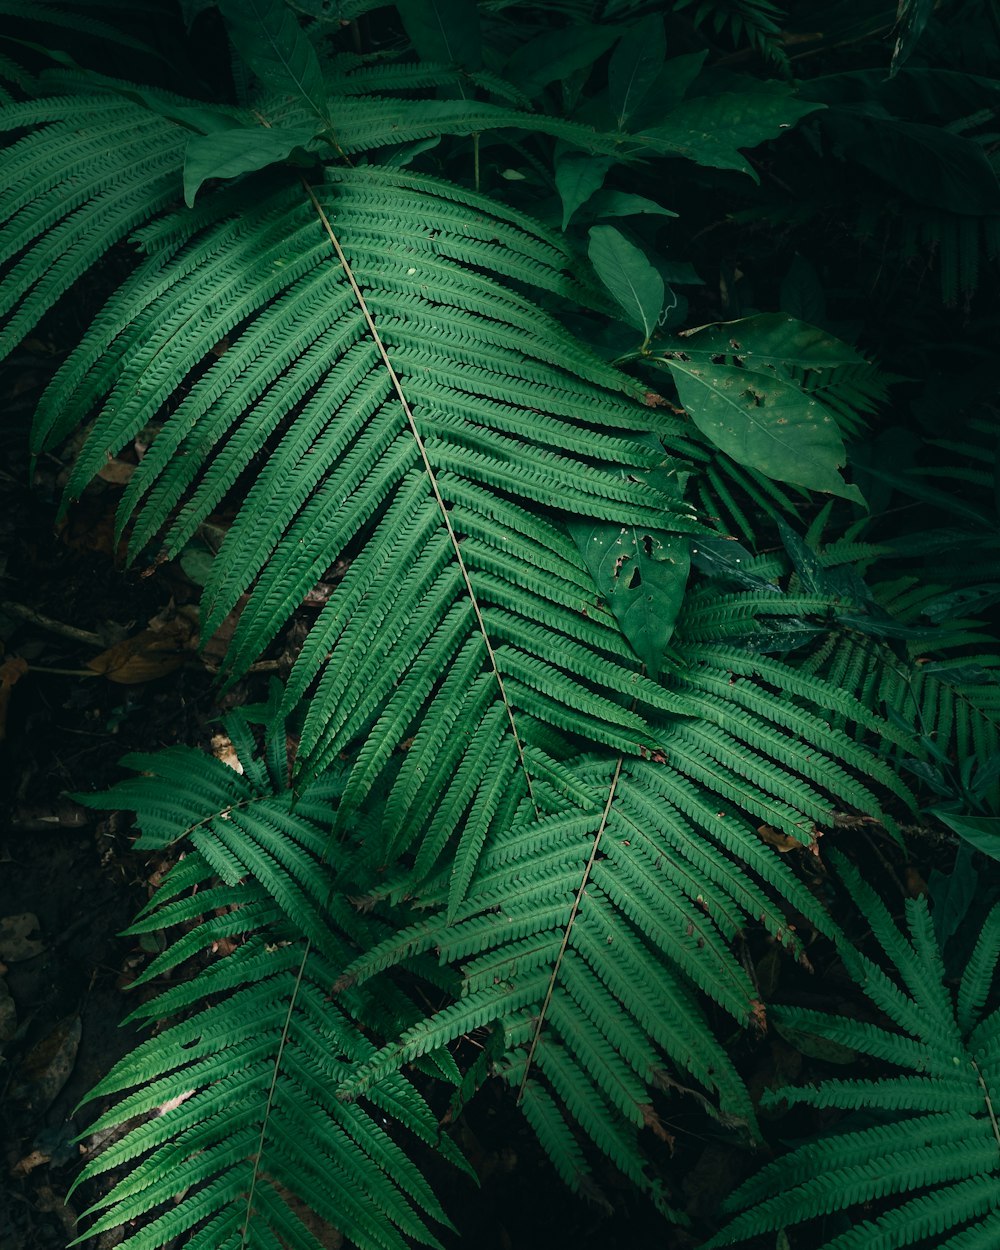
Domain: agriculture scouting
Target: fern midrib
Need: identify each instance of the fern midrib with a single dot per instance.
(567, 931)
(432, 478)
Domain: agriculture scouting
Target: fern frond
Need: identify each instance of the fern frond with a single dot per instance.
(754, 22)
(419, 443)
(245, 1082)
(61, 221)
(941, 1144)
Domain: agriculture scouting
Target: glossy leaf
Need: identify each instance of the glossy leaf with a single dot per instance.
(711, 129)
(982, 832)
(444, 31)
(578, 176)
(230, 153)
(269, 39)
(765, 423)
(911, 21)
(634, 66)
(632, 280)
(555, 55)
(625, 204)
(641, 574)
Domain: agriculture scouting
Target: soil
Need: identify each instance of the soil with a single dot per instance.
(69, 880)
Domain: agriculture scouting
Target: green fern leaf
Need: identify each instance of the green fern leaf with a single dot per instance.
(245, 1082)
(941, 1145)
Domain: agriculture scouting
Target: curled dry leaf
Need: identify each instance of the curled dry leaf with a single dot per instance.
(35, 1159)
(143, 657)
(154, 652)
(223, 749)
(782, 842)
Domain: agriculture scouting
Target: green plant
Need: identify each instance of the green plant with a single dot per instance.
(923, 1145)
(403, 304)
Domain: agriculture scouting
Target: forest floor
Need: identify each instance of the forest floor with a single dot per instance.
(69, 880)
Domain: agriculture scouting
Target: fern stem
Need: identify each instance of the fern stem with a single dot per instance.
(569, 928)
(398, 388)
(270, 1093)
(989, 1103)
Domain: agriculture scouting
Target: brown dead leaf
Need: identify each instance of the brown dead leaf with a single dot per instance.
(46, 1199)
(652, 1121)
(215, 648)
(15, 940)
(329, 1238)
(782, 842)
(30, 1161)
(152, 653)
(180, 623)
(117, 472)
(916, 886)
(90, 526)
(47, 1066)
(223, 749)
(10, 670)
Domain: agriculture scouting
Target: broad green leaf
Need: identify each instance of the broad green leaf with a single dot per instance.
(364, 123)
(982, 832)
(952, 894)
(230, 153)
(642, 576)
(669, 88)
(443, 31)
(768, 342)
(634, 66)
(578, 176)
(202, 118)
(765, 423)
(269, 39)
(190, 9)
(197, 564)
(556, 55)
(625, 204)
(711, 129)
(628, 275)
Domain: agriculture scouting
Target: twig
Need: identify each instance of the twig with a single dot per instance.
(24, 613)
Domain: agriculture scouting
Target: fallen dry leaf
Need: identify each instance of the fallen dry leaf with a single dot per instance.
(782, 842)
(223, 749)
(8, 1014)
(10, 670)
(117, 472)
(15, 940)
(143, 657)
(46, 1067)
(30, 1161)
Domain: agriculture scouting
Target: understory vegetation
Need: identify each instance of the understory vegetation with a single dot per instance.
(617, 381)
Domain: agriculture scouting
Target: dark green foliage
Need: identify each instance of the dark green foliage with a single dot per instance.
(257, 1029)
(931, 1121)
(398, 296)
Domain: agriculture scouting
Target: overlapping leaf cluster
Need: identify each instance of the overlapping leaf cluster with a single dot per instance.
(536, 770)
